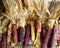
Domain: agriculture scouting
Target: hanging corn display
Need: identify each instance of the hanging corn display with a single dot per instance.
(29, 23)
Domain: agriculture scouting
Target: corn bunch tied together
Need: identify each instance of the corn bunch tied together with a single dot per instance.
(29, 23)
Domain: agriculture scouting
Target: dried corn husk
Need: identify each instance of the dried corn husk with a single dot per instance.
(19, 3)
(4, 29)
(50, 23)
(11, 9)
(5, 22)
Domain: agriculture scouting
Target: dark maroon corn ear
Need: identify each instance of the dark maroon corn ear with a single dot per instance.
(21, 31)
(4, 40)
(27, 34)
(46, 38)
(14, 33)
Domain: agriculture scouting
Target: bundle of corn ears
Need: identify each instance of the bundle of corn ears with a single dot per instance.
(18, 11)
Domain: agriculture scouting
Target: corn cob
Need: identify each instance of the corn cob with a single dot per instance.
(27, 35)
(38, 29)
(14, 34)
(21, 34)
(32, 31)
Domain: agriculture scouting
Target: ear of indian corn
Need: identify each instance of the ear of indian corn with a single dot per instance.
(27, 34)
(46, 38)
(21, 31)
(37, 42)
(32, 31)
(14, 34)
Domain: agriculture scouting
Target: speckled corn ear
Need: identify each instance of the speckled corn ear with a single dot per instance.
(37, 41)
(32, 31)
(14, 34)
